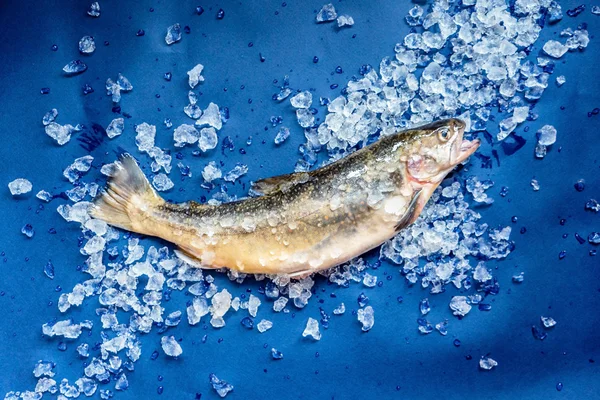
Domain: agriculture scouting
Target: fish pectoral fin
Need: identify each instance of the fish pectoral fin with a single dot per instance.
(301, 274)
(279, 183)
(409, 215)
(186, 255)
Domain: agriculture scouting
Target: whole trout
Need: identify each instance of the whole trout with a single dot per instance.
(303, 222)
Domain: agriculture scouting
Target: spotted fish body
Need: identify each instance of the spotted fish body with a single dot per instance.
(303, 222)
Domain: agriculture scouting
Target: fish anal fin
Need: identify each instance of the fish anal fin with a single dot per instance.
(280, 183)
(409, 216)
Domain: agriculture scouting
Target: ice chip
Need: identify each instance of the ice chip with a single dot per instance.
(115, 128)
(211, 117)
(170, 346)
(548, 322)
(145, 137)
(486, 363)
(221, 387)
(282, 135)
(162, 183)
(60, 133)
(195, 75)
(185, 134)
(302, 100)
(50, 116)
(264, 325)
(238, 171)
(305, 117)
(547, 135)
(459, 306)
(555, 49)
(75, 67)
(43, 368)
(327, 13)
(312, 329)
(208, 139)
(345, 20)
(280, 304)
(366, 317)
(19, 186)
(173, 34)
(94, 10)
(87, 45)
(339, 310)
(211, 172)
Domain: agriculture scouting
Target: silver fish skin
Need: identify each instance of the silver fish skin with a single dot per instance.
(303, 222)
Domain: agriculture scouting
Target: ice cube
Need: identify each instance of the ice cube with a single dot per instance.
(264, 325)
(547, 135)
(87, 45)
(185, 134)
(486, 363)
(94, 10)
(195, 75)
(326, 14)
(173, 34)
(19, 186)
(115, 128)
(221, 387)
(345, 20)
(145, 136)
(208, 139)
(50, 116)
(366, 317)
(170, 346)
(302, 100)
(75, 67)
(211, 172)
(312, 329)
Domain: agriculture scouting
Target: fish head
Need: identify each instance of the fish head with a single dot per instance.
(433, 150)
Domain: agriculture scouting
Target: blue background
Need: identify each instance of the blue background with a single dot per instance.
(345, 363)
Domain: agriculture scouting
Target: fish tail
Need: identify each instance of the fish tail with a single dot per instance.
(128, 200)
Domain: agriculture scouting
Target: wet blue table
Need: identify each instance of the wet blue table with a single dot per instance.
(392, 360)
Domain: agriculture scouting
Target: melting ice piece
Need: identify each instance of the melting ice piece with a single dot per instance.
(326, 14)
(221, 387)
(27, 230)
(94, 10)
(61, 133)
(547, 135)
(548, 322)
(276, 354)
(87, 45)
(302, 100)
(264, 325)
(312, 329)
(555, 48)
(208, 139)
(19, 186)
(535, 185)
(75, 67)
(366, 317)
(173, 34)
(115, 128)
(195, 75)
(345, 20)
(185, 134)
(596, 10)
(211, 172)
(487, 363)
(459, 306)
(170, 346)
(560, 80)
(50, 116)
(424, 306)
(162, 183)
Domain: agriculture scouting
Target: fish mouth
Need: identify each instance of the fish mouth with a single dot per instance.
(465, 149)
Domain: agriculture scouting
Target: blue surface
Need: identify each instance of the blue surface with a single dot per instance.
(345, 363)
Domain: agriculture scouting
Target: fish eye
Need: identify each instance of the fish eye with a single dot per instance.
(444, 134)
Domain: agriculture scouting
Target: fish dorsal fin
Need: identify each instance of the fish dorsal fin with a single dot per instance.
(280, 183)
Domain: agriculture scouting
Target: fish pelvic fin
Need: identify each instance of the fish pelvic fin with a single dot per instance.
(411, 212)
(128, 199)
